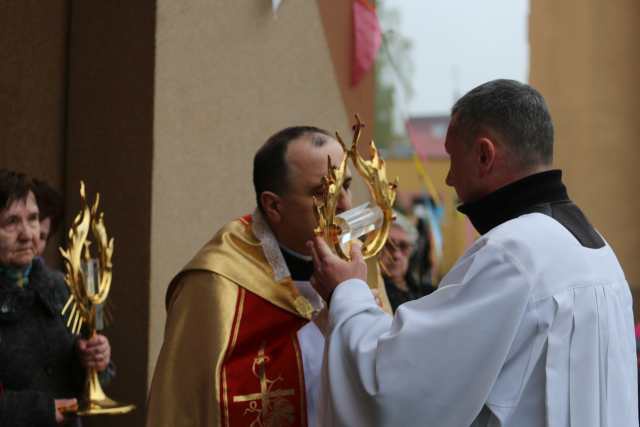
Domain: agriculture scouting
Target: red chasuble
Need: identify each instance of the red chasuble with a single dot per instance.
(262, 375)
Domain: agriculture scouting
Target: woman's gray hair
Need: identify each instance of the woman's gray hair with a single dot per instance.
(407, 226)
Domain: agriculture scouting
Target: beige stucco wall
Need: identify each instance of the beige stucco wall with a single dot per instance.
(228, 75)
(586, 62)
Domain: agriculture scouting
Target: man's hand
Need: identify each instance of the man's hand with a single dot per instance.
(63, 406)
(330, 270)
(94, 352)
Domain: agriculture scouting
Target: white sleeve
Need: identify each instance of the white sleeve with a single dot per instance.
(436, 361)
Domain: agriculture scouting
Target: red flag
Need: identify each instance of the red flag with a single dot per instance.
(367, 38)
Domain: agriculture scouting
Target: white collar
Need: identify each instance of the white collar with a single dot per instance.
(270, 246)
(295, 254)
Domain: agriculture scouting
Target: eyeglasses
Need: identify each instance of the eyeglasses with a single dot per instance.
(399, 245)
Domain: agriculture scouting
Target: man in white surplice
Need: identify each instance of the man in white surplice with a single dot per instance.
(533, 326)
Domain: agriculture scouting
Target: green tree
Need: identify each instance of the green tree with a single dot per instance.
(393, 70)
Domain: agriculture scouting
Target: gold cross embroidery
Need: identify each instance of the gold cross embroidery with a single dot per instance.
(272, 401)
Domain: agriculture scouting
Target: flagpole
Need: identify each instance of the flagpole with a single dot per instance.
(426, 180)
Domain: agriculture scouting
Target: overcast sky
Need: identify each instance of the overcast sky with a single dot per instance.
(458, 44)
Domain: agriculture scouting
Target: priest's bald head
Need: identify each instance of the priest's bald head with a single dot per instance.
(500, 132)
(287, 173)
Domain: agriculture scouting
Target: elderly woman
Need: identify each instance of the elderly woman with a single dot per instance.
(395, 259)
(42, 364)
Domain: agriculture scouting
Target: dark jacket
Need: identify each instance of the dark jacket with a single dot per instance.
(38, 359)
(398, 296)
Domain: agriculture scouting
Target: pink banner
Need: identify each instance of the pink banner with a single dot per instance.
(367, 38)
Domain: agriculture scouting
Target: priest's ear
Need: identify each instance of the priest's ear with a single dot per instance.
(271, 206)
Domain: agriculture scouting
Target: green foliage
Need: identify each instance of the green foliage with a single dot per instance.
(392, 71)
(383, 131)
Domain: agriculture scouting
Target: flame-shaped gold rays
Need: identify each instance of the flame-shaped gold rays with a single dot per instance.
(83, 270)
(382, 191)
(81, 305)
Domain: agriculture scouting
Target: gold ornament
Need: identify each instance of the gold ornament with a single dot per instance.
(374, 220)
(89, 282)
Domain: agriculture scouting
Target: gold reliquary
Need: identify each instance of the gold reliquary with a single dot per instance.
(370, 221)
(89, 281)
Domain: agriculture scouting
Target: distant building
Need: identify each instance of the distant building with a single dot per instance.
(427, 135)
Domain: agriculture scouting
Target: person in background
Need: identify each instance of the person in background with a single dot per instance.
(42, 365)
(429, 247)
(50, 205)
(395, 259)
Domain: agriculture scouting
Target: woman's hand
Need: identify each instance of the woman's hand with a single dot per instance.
(63, 406)
(94, 352)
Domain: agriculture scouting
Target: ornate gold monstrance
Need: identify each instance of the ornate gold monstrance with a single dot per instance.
(89, 282)
(370, 219)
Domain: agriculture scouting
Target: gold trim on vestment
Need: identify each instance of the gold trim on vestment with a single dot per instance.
(187, 387)
(234, 339)
(224, 397)
(237, 255)
(303, 389)
(236, 327)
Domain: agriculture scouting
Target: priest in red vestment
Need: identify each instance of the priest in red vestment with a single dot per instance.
(243, 343)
